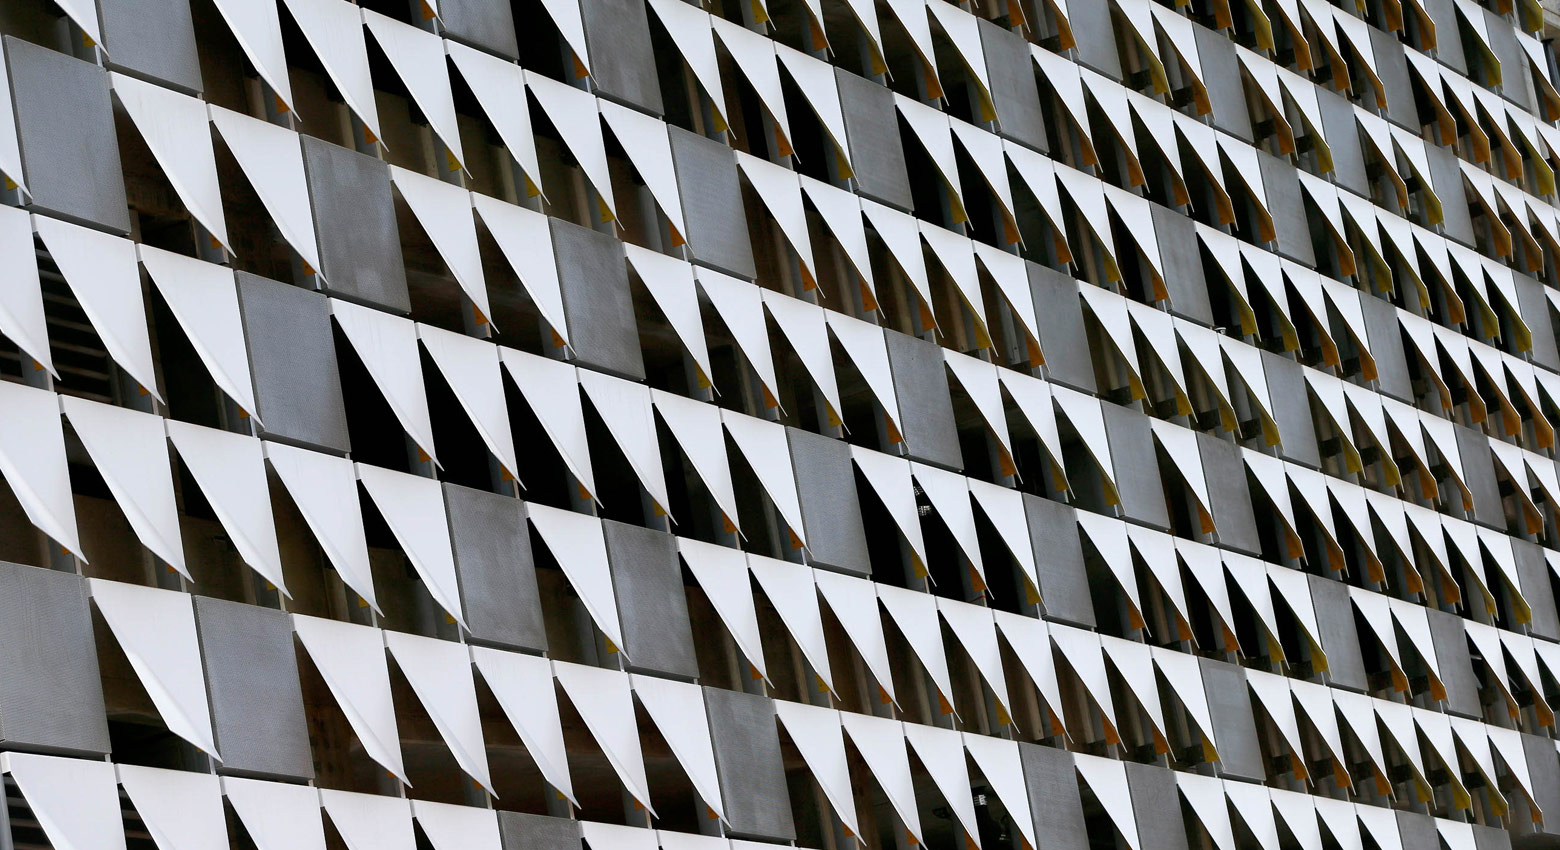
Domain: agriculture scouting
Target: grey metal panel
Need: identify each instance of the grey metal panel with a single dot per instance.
(598, 306)
(1291, 232)
(1544, 768)
(51, 693)
(65, 124)
(1386, 347)
(622, 62)
(1064, 581)
(1063, 339)
(1156, 803)
(1516, 81)
(1536, 313)
(1291, 409)
(1013, 91)
(1478, 472)
(153, 39)
(712, 203)
(1054, 800)
(1491, 838)
(1451, 655)
(1221, 73)
(1182, 260)
(1448, 41)
(747, 756)
(1096, 37)
(1225, 472)
(520, 831)
(1137, 466)
(1446, 178)
(831, 508)
(1234, 724)
(925, 406)
(1340, 640)
(877, 155)
(1416, 830)
(485, 23)
(493, 562)
(354, 216)
(1392, 68)
(1343, 140)
(292, 356)
(1537, 589)
(652, 604)
(257, 713)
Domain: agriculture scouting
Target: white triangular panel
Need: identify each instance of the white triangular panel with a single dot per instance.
(625, 408)
(606, 704)
(351, 659)
(677, 709)
(177, 129)
(580, 548)
(102, 273)
(271, 157)
(130, 451)
(523, 686)
(156, 629)
(325, 490)
(204, 299)
(418, 58)
(413, 507)
(471, 367)
(230, 470)
(439, 672)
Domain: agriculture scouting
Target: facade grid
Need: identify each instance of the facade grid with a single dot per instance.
(620, 424)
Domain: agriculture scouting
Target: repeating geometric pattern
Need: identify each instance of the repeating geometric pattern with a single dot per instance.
(498, 424)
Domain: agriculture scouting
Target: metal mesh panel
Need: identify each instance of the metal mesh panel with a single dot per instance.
(1478, 472)
(487, 23)
(596, 299)
(537, 832)
(1291, 409)
(354, 216)
(1059, 315)
(497, 574)
(651, 601)
(1157, 804)
(65, 124)
(1386, 348)
(925, 406)
(1234, 725)
(1137, 466)
(1064, 583)
(1451, 654)
(831, 509)
(293, 358)
(1221, 73)
(1340, 639)
(712, 203)
(617, 33)
(252, 679)
(747, 754)
(1281, 182)
(1182, 260)
(1013, 90)
(1225, 472)
(153, 38)
(51, 695)
(1053, 797)
(876, 153)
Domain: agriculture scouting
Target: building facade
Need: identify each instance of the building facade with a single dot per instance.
(550, 424)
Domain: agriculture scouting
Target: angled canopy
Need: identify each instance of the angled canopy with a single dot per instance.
(156, 629)
(351, 659)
